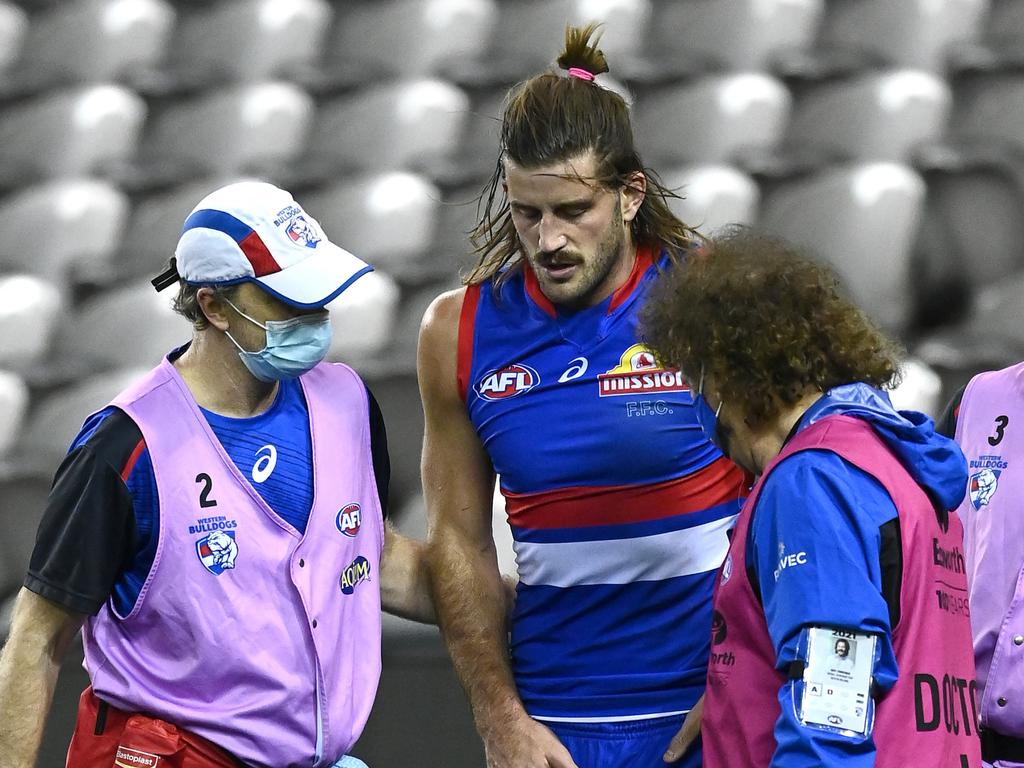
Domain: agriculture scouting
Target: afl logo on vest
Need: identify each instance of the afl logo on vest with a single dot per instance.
(355, 574)
(348, 520)
(507, 382)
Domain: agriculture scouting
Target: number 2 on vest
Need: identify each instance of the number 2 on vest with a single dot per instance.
(204, 495)
(997, 438)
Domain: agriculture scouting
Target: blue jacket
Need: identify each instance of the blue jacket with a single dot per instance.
(816, 503)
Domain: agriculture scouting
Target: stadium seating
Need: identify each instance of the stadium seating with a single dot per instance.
(250, 40)
(731, 34)
(63, 228)
(13, 27)
(1005, 24)
(13, 406)
(409, 38)
(905, 33)
(530, 32)
(22, 495)
(89, 129)
(990, 109)
(414, 124)
(129, 326)
(363, 318)
(872, 115)
(258, 128)
(56, 418)
(919, 389)
(712, 196)
(399, 399)
(29, 312)
(713, 119)
(862, 220)
(387, 219)
(99, 40)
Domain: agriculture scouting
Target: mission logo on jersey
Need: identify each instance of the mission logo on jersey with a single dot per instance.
(507, 382)
(638, 372)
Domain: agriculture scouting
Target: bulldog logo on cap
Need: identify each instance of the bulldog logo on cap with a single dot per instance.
(300, 231)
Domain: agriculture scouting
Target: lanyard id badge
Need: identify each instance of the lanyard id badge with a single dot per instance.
(837, 681)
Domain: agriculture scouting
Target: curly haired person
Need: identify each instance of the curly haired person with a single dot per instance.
(847, 540)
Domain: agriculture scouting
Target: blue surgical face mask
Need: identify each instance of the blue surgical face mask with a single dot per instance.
(707, 418)
(293, 346)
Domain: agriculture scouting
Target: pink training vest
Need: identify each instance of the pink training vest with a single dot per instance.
(990, 430)
(263, 641)
(929, 717)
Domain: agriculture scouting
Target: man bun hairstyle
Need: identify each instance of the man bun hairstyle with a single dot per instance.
(581, 51)
(552, 118)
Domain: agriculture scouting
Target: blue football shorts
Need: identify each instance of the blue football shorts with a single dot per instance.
(632, 744)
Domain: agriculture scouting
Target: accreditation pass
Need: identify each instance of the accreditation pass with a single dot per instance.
(837, 680)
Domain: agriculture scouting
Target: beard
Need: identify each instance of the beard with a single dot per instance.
(591, 275)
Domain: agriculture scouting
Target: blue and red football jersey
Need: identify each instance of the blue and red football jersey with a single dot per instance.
(618, 504)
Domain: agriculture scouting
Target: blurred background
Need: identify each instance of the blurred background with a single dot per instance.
(888, 135)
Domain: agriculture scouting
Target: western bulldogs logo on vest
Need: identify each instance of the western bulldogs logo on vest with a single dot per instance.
(218, 551)
(984, 479)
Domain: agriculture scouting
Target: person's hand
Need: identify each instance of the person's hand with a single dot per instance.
(525, 743)
(687, 734)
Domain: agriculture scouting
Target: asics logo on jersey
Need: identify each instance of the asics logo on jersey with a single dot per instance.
(265, 463)
(506, 382)
(577, 367)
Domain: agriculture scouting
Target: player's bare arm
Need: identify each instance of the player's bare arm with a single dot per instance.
(404, 584)
(41, 632)
(469, 594)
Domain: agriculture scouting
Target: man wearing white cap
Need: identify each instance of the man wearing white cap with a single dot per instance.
(219, 528)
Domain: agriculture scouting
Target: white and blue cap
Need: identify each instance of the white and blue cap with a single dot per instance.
(252, 231)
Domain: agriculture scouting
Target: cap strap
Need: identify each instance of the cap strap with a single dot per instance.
(167, 278)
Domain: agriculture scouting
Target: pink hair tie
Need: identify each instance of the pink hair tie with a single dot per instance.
(582, 74)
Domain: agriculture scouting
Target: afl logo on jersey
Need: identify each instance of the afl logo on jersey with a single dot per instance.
(506, 382)
(349, 519)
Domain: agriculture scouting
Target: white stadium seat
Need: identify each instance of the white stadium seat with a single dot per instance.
(1005, 23)
(531, 32)
(861, 219)
(363, 318)
(72, 132)
(13, 28)
(72, 224)
(411, 38)
(100, 40)
(713, 119)
(732, 34)
(29, 310)
(252, 40)
(906, 33)
(246, 128)
(919, 389)
(989, 108)
(712, 197)
(872, 116)
(387, 219)
(13, 406)
(414, 124)
(131, 326)
(54, 421)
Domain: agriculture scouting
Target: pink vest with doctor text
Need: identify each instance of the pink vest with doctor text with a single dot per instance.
(928, 718)
(254, 636)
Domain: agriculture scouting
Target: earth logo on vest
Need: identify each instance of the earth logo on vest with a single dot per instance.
(349, 519)
(354, 574)
(985, 481)
(218, 551)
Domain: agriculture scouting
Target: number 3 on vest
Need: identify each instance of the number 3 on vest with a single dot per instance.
(997, 438)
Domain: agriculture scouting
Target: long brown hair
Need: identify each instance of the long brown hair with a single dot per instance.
(551, 118)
